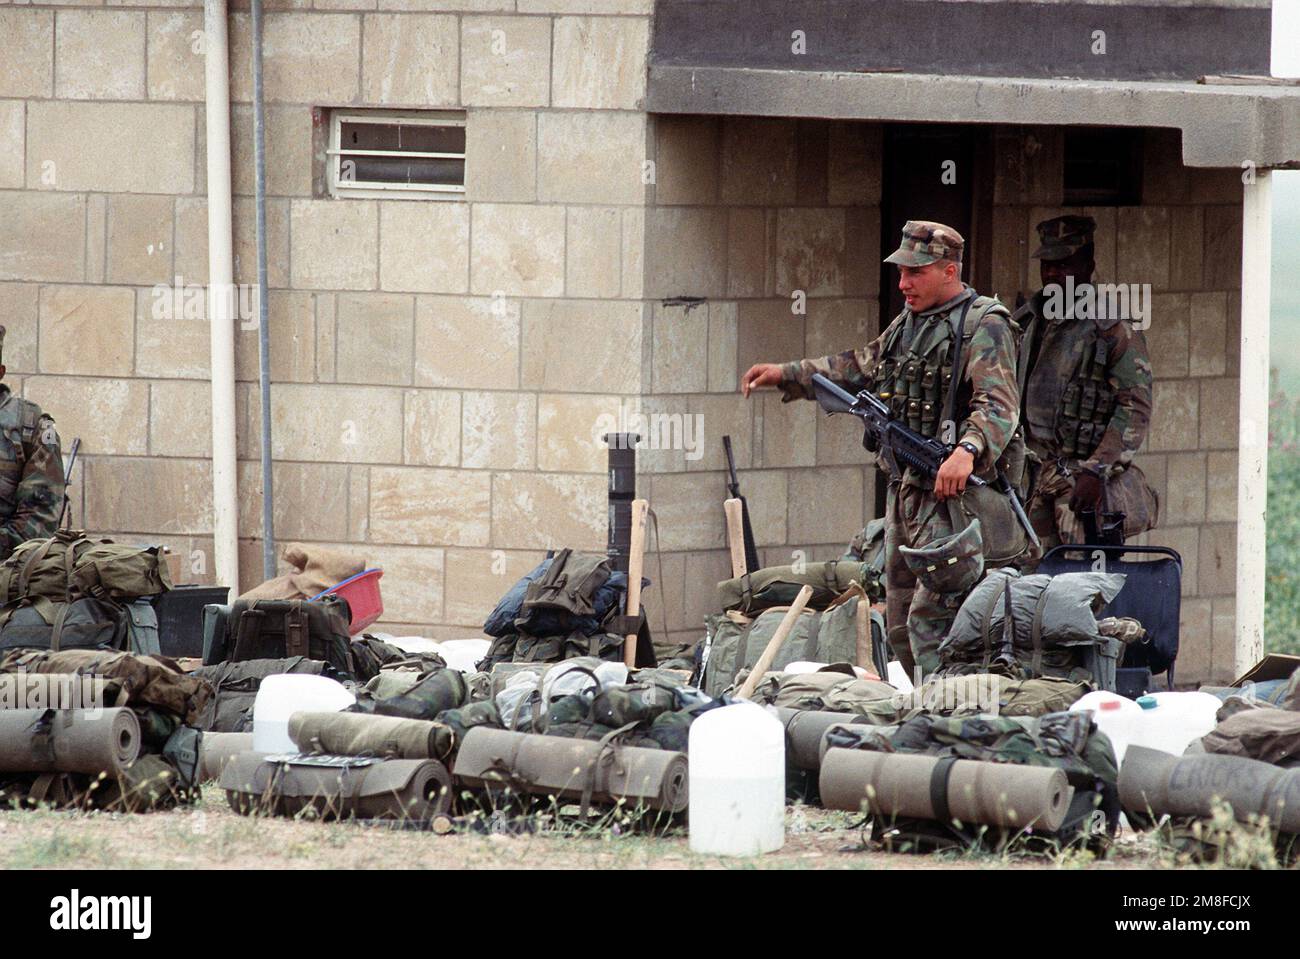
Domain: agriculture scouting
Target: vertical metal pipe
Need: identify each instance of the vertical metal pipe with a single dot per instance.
(263, 329)
(1252, 453)
(221, 299)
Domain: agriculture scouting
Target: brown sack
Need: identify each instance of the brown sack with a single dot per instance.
(316, 569)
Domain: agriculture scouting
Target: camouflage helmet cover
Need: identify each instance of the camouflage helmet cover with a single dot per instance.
(924, 242)
(1063, 236)
(951, 564)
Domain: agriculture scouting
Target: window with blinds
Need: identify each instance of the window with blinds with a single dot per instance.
(394, 155)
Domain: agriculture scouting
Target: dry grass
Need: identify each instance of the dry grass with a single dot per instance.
(211, 836)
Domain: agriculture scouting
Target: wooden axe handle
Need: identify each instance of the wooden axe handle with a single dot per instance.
(774, 644)
(636, 555)
(735, 535)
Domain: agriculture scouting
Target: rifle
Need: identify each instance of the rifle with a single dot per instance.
(733, 487)
(67, 478)
(901, 448)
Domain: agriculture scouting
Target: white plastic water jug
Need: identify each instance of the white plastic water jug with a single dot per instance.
(1115, 715)
(282, 695)
(737, 781)
(1172, 721)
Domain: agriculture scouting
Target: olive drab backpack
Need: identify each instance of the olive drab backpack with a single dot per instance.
(284, 628)
(779, 585)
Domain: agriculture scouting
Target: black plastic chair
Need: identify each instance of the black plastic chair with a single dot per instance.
(1152, 595)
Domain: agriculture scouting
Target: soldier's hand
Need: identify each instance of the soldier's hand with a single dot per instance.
(760, 374)
(951, 478)
(1087, 492)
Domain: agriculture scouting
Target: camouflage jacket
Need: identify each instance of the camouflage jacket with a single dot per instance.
(1052, 354)
(31, 472)
(990, 394)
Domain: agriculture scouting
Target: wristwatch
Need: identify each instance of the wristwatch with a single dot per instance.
(970, 448)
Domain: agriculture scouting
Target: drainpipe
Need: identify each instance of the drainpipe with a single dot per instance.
(263, 329)
(1252, 453)
(221, 295)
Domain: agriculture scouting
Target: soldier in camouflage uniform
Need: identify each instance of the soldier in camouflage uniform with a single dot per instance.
(910, 365)
(1085, 381)
(31, 470)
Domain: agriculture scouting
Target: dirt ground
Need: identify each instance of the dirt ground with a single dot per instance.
(211, 836)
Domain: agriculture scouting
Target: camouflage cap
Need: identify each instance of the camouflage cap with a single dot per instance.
(925, 241)
(951, 564)
(1064, 236)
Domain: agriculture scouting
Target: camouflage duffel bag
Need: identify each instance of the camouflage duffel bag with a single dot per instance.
(68, 565)
(779, 585)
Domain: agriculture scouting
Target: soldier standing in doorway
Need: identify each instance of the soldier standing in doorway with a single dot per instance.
(1085, 386)
(947, 367)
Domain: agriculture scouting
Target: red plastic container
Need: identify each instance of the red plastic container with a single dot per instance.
(362, 593)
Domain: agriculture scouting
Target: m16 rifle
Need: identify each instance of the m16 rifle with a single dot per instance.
(901, 448)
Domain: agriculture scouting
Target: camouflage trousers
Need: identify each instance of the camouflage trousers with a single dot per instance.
(1050, 514)
(916, 618)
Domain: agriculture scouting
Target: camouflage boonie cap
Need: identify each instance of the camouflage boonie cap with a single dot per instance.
(1064, 236)
(925, 241)
(951, 564)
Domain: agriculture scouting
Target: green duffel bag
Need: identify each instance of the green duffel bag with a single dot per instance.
(779, 585)
(69, 565)
(822, 636)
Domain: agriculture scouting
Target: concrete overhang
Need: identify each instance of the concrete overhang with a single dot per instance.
(1223, 125)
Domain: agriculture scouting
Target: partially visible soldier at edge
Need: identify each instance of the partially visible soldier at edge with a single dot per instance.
(1085, 386)
(31, 469)
(910, 366)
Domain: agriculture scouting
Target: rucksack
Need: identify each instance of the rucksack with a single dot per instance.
(735, 642)
(84, 623)
(1038, 625)
(285, 628)
(69, 565)
(779, 585)
(565, 593)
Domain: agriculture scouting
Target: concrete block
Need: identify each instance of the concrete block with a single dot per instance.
(429, 507)
(517, 250)
(87, 329)
(599, 62)
(1217, 572)
(28, 68)
(826, 504)
(498, 431)
(432, 422)
(591, 157)
(505, 61)
(175, 55)
(1168, 337)
(375, 337)
(681, 349)
(1220, 402)
(179, 418)
(139, 239)
(686, 160)
(99, 55)
(139, 147)
(444, 324)
(723, 377)
(593, 239)
(13, 131)
(179, 500)
(569, 429)
(44, 237)
(1175, 415)
(340, 424)
(854, 164)
(759, 161)
(502, 149)
(810, 252)
(306, 57)
(424, 247)
(610, 360)
(334, 245)
(686, 252)
(411, 60)
(548, 510)
(111, 416)
(1209, 334)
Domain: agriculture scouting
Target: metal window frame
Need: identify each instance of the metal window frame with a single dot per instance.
(376, 189)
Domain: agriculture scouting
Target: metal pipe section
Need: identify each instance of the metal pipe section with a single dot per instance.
(622, 490)
(263, 329)
(221, 295)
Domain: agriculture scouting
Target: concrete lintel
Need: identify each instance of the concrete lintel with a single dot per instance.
(1223, 126)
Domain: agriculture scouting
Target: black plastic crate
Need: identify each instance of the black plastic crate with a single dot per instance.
(180, 618)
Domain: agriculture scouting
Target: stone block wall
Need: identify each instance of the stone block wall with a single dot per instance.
(439, 368)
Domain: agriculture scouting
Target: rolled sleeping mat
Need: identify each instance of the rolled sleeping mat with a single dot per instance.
(57, 691)
(90, 741)
(217, 749)
(907, 785)
(338, 787)
(1151, 781)
(804, 729)
(569, 768)
(362, 734)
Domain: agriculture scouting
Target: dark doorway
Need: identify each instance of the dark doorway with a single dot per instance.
(934, 172)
